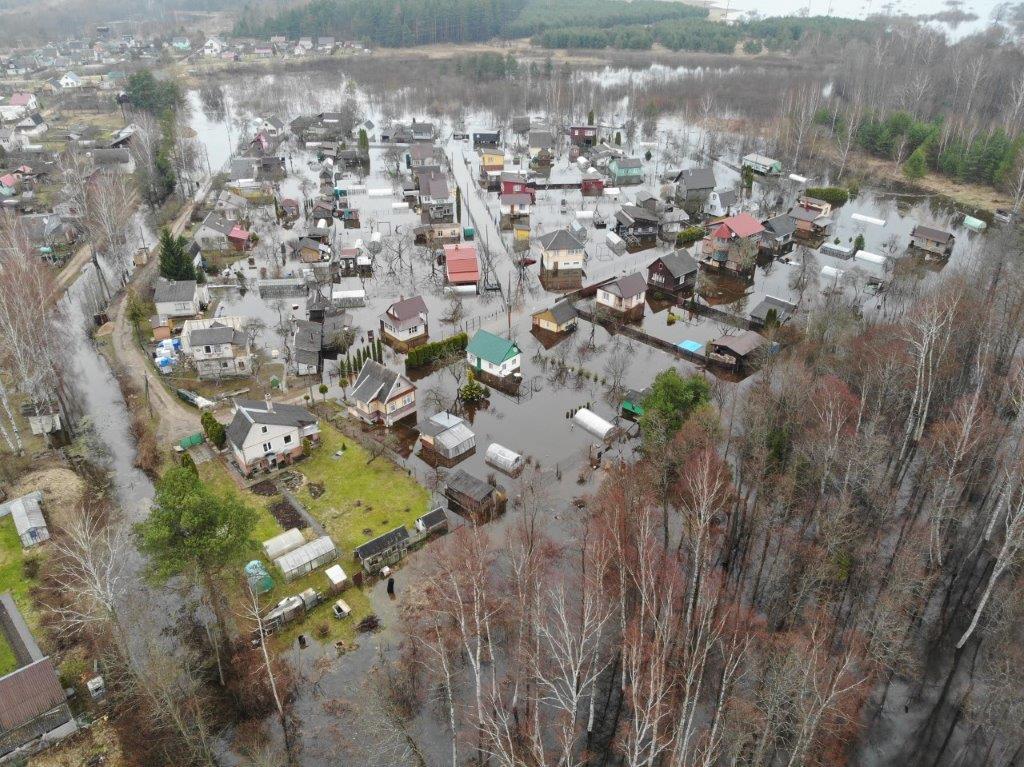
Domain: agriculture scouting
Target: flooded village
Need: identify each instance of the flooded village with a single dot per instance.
(311, 361)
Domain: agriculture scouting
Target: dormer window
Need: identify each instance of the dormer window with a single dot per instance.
(263, 429)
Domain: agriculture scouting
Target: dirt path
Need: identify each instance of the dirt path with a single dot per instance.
(174, 418)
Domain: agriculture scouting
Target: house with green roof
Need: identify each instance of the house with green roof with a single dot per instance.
(496, 356)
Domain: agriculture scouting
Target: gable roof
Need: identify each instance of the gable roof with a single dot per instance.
(249, 413)
(562, 312)
(627, 287)
(627, 162)
(174, 291)
(679, 263)
(468, 485)
(783, 309)
(492, 348)
(780, 226)
(930, 233)
(218, 223)
(743, 343)
(28, 693)
(377, 383)
(407, 309)
(560, 239)
(697, 178)
(382, 543)
(727, 197)
(631, 214)
(541, 139)
(215, 335)
(741, 225)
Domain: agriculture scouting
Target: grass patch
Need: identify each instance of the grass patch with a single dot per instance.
(15, 578)
(215, 474)
(386, 495)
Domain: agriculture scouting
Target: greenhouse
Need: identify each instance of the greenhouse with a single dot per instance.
(307, 558)
(281, 544)
(595, 424)
(504, 459)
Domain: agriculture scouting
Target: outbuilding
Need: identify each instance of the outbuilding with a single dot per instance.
(27, 513)
(281, 544)
(468, 495)
(447, 435)
(590, 421)
(434, 521)
(933, 241)
(504, 459)
(307, 558)
(386, 549)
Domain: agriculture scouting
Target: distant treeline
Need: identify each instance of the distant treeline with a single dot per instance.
(397, 23)
(699, 34)
(988, 157)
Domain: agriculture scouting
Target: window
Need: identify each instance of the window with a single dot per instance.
(266, 447)
(287, 439)
(263, 430)
(207, 349)
(223, 364)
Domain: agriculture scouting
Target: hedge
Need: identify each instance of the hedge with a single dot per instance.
(835, 195)
(427, 354)
(689, 235)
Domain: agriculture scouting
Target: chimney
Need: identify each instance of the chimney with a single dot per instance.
(269, 402)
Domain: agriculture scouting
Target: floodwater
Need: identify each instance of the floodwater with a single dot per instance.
(558, 377)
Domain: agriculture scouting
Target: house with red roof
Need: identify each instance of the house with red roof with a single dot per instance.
(8, 185)
(731, 245)
(462, 267)
(239, 238)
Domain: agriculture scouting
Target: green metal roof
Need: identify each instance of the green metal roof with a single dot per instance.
(492, 348)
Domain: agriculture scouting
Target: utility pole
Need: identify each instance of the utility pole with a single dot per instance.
(149, 402)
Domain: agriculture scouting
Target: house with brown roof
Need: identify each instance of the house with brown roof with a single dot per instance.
(624, 295)
(932, 241)
(380, 395)
(738, 351)
(33, 705)
(403, 324)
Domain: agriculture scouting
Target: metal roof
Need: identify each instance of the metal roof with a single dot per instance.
(26, 512)
(305, 554)
(382, 543)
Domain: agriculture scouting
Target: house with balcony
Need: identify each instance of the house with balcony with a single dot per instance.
(403, 324)
(637, 226)
(731, 246)
(264, 435)
(380, 395)
(218, 348)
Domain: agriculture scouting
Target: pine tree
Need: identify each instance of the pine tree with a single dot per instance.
(175, 263)
(916, 165)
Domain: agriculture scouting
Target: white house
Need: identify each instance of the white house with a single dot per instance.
(213, 47)
(70, 80)
(213, 233)
(624, 294)
(722, 202)
(496, 356)
(404, 323)
(12, 141)
(18, 105)
(382, 395)
(218, 347)
(561, 250)
(273, 126)
(181, 298)
(265, 435)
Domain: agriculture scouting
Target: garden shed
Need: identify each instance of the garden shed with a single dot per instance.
(595, 424)
(307, 558)
(27, 513)
(447, 435)
(281, 544)
(469, 495)
(504, 459)
(383, 550)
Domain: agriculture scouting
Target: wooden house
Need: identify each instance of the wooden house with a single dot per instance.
(592, 184)
(584, 135)
(494, 356)
(673, 273)
(777, 236)
(404, 325)
(624, 296)
(560, 318)
(693, 187)
(386, 549)
(626, 171)
(737, 352)
(725, 248)
(473, 497)
(461, 264)
(380, 395)
(637, 226)
(934, 242)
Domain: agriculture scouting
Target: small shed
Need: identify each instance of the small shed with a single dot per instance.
(590, 421)
(307, 558)
(280, 545)
(737, 351)
(383, 550)
(504, 459)
(469, 495)
(434, 521)
(447, 435)
(936, 242)
(336, 578)
(27, 513)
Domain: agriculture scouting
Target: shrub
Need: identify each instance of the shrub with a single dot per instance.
(214, 430)
(427, 354)
(689, 236)
(835, 195)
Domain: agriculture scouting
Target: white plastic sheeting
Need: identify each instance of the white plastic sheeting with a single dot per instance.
(593, 423)
(503, 458)
(870, 258)
(307, 558)
(868, 219)
(281, 544)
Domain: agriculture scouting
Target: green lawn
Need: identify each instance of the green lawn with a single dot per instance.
(360, 500)
(14, 579)
(214, 473)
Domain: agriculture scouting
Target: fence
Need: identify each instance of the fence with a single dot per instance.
(628, 330)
